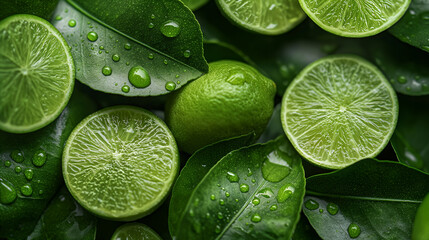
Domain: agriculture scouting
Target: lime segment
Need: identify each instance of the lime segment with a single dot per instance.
(120, 162)
(135, 231)
(355, 18)
(270, 17)
(339, 110)
(36, 73)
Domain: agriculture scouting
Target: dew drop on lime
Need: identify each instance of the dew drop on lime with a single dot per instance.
(170, 29)
(310, 204)
(332, 208)
(284, 193)
(150, 56)
(187, 53)
(7, 163)
(17, 156)
(221, 202)
(7, 192)
(170, 86)
(72, 23)
(256, 218)
(220, 215)
(244, 188)
(28, 173)
(217, 229)
(107, 71)
(139, 77)
(125, 88)
(275, 168)
(232, 177)
(402, 79)
(18, 169)
(266, 193)
(92, 36)
(127, 46)
(256, 201)
(273, 208)
(116, 57)
(26, 190)
(354, 230)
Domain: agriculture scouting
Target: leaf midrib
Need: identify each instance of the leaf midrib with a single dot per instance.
(319, 194)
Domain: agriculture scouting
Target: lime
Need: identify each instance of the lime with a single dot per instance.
(339, 110)
(355, 18)
(120, 162)
(36, 73)
(135, 231)
(270, 17)
(233, 99)
(420, 226)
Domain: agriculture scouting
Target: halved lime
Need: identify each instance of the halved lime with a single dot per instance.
(36, 73)
(270, 17)
(135, 231)
(355, 18)
(339, 110)
(120, 162)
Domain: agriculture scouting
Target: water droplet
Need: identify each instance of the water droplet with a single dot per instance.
(217, 229)
(275, 168)
(17, 156)
(165, 62)
(58, 18)
(212, 197)
(273, 208)
(227, 194)
(72, 23)
(7, 192)
(7, 163)
(170, 86)
(402, 79)
(40, 192)
(219, 215)
(177, 75)
(125, 88)
(28, 173)
(127, 46)
(256, 218)
(253, 180)
(170, 29)
(321, 210)
(151, 25)
(311, 204)
(187, 53)
(152, 16)
(101, 47)
(236, 199)
(18, 169)
(332, 208)
(232, 177)
(127, 63)
(237, 77)
(39, 158)
(244, 188)
(150, 56)
(26, 190)
(139, 77)
(284, 193)
(266, 193)
(354, 230)
(221, 202)
(92, 36)
(191, 212)
(256, 201)
(107, 71)
(116, 57)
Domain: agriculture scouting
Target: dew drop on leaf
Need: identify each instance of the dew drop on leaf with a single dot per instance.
(17, 156)
(212, 197)
(170, 86)
(256, 218)
(266, 193)
(354, 230)
(217, 229)
(275, 168)
(232, 177)
(7, 163)
(244, 188)
(139, 77)
(310, 204)
(332, 208)
(125, 88)
(116, 57)
(18, 169)
(150, 56)
(402, 79)
(39, 158)
(92, 36)
(7, 192)
(284, 193)
(219, 215)
(26, 190)
(187, 53)
(256, 201)
(28, 173)
(107, 71)
(127, 46)
(273, 208)
(221, 202)
(170, 29)
(72, 23)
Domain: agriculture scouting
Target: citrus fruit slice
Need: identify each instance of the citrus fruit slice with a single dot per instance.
(339, 110)
(36, 73)
(135, 231)
(270, 17)
(120, 162)
(355, 18)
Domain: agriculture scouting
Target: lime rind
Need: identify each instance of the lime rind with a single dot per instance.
(314, 107)
(161, 176)
(66, 86)
(135, 231)
(391, 20)
(288, 10)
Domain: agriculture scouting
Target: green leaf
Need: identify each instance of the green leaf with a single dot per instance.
(195, 4)
(215, 50)
(274, 127)
(304, 230)
(404, 65)
(410, 140)
(235, 201)
(132, 31)
(412, 28)
(41, 8)
(381, 197)
(420, 228)
(194, 171)
(65, 219)
(17, 219)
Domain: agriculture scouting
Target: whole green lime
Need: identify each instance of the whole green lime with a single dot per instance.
(231, 100)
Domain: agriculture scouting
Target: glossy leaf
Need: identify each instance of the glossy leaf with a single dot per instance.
(304, 230)
(413, 27)
(17, 219)
(194, 171)
(411, 140)
(195, 4)
(380, 197)
(404, 66)
(65, 219)
(235, 201)
(166, 41)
